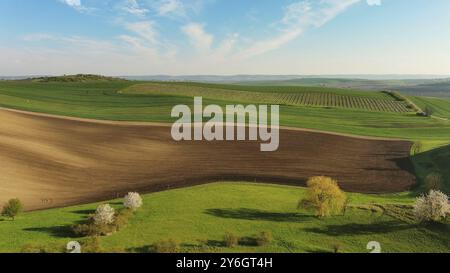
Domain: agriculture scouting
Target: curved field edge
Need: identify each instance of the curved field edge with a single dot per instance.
(199, 216)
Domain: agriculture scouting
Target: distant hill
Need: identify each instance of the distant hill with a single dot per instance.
(76, 78)
(261, 78)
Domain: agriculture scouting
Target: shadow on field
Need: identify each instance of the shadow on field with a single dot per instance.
(59, 231)
(84, 212)
(361, 229)
(433, 161)
(254, 214)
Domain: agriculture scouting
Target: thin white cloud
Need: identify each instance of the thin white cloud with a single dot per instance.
(176, 9)
(76, 4)
(171, 7)
(133, 7)
(298, 17)
(199, 38)
(145, 30)
(70, 41)
(374, 2)
(72, 3)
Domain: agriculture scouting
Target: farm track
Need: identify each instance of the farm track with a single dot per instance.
(49, 161)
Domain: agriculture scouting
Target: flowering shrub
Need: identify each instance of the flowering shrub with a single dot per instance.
(433, 207)
(104, 215)
(132, 201)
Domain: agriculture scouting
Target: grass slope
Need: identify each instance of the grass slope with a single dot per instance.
(320, 97)
(199, 217)
(102, 100)
(440, 107)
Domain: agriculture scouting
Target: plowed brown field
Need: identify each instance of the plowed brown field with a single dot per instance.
(52, 162)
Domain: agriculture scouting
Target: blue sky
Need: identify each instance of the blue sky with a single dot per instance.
(180, 37)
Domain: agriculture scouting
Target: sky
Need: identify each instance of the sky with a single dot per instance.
(224, 37)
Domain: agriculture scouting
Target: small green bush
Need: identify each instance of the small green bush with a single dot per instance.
(122, 218)
(83, 230)
(166, 246)
(12, 208)
(230, 240)
(91, 229)
(264, 238)
(91, 245)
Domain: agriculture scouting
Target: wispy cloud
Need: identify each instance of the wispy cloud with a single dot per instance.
(133, 7)
(145, 30)
(73, 42)
(199, 38)
(298, 17)
(76, 4)
(177, 9)
(374, 2)
(171, 8)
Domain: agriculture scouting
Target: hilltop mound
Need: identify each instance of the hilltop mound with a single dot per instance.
(77, 78)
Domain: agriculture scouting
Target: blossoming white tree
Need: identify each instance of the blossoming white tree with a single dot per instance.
(432, 207)
(132, 201)
(104, 215)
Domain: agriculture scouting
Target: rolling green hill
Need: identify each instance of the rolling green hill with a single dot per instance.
(440, 107)
(318, 97)
(199, 217)
(76, 78)
(123, 100)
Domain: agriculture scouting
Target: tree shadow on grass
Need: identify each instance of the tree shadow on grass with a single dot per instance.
(57, 231)
(439, 231)
(215, 243)
(86, 212)
(361, 229)
(140, 249)
(254, 214)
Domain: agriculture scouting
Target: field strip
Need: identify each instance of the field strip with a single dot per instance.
(162, 124)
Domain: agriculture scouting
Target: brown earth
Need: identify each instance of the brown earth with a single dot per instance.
(53, 162)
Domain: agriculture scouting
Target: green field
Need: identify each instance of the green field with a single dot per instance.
(199, 217)
(319, 97)
(116, 101)
(440, 107)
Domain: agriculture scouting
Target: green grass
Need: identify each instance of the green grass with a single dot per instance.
(440, 107)
(302, 96)
(433, 157)
(109, 101)
(198, 217)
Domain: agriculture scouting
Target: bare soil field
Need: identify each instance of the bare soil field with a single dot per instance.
(54, 162)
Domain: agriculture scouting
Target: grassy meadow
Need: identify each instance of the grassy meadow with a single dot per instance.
(120, 100)
(199, 217)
